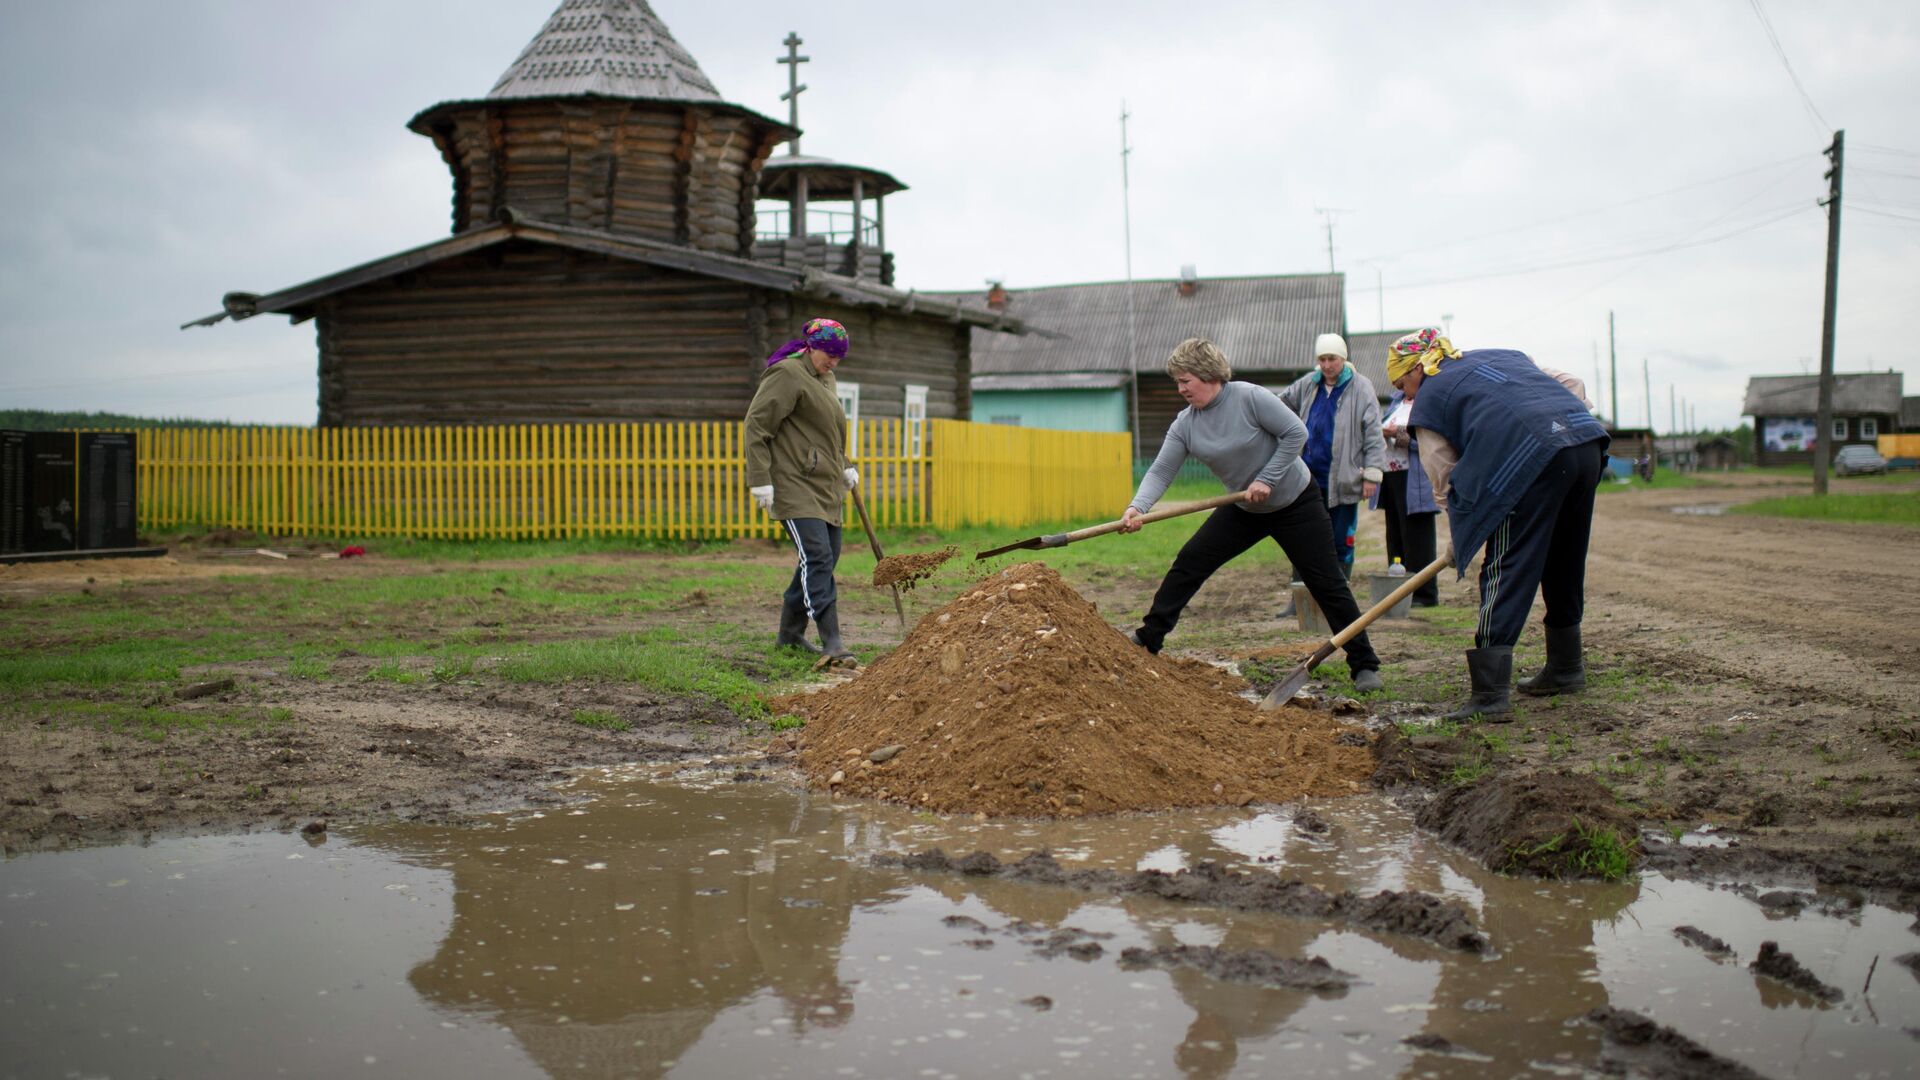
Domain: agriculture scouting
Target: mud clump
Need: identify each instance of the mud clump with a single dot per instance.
(1633, 1045)
(1413, 914)
(1255, 967)
(1018, 699)
(1547, 824)
(907, 571)
(1703, 941)
(1776, 963)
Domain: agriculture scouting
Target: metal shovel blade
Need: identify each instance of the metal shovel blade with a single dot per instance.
(1297, 678)
(1036, 542)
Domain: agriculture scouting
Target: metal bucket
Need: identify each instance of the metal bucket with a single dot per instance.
(1383, 586)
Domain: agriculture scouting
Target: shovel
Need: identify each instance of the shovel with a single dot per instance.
(1063, 539)
(1291, 685)
(861, 505)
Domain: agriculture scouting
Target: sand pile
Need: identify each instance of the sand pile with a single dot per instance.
(907, 570)
(1018, 699)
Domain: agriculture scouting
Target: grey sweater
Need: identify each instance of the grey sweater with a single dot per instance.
(1244, 434)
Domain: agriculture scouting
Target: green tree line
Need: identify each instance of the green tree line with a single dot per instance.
(52, 420)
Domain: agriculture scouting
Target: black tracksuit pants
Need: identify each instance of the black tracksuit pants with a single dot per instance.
(818, 544)
(1541, 545)
(1409, 536)
(1302, 530)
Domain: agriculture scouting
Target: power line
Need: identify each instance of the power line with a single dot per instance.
(1882, 213)
(1813, 111)
(1480, 237)
(1779, 214)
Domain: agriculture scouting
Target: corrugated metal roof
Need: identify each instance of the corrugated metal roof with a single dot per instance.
(827, 179)
(612, 48)
(1061, 380)
(1799, 395)
(1262, 323)
(1368, 353)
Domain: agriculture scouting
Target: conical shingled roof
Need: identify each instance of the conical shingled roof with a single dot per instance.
(607, 48)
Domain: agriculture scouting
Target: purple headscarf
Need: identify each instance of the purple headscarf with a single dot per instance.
(823, 334)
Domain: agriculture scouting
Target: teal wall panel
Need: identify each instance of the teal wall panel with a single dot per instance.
(1058, 410)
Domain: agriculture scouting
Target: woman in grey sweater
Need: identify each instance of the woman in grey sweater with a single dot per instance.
(1250, 440)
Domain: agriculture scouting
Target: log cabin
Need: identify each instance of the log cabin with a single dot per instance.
(604, 262)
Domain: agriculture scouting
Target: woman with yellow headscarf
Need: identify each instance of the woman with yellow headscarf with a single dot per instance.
(1514, 454)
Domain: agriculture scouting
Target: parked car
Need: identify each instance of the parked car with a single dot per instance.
(1858, 460)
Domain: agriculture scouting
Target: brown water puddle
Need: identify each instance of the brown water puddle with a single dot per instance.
(711, 928)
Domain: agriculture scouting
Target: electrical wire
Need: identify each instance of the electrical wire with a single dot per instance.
(1882, 213)
(1813, 111)
(1481, 237)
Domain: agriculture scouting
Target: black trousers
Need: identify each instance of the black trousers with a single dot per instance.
(811, 589)
(1409, 536)
(1302, 530)
(1541, 545)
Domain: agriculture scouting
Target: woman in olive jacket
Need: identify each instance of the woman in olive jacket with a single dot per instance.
(797, 471)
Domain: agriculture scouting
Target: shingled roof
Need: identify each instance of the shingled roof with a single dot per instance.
(1262, 323)
(608, 48)
(1798, 395)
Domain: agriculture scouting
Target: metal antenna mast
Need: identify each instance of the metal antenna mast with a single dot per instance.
(1329, 211)
(1126, 217)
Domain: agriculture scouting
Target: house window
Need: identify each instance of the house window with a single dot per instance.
(850, 404)
(1869, 428)
(915, 413)
(1839, 427)
(1009, 421)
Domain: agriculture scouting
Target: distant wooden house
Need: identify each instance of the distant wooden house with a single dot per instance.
(1718, 454)
(1077, 375)
(605, 262)
(1865, 406)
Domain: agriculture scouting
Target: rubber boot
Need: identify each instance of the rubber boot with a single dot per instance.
(1491, 670)
(836, 651)
(793, 630)
(1565, 671)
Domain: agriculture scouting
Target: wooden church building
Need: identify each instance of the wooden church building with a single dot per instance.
(605, 262)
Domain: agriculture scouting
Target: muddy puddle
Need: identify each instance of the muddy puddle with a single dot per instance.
(710, 927)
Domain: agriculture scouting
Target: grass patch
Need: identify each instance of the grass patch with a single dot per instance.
(786, 723)
(153, 724)
(660, 659)
(600, 718)
(393, 673)
(1891, 508)
(1579, 852)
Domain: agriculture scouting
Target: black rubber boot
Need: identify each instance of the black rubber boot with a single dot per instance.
(836, 651)
(1134, 636)
(1491, 670)
(1565, 672)
(793, 630)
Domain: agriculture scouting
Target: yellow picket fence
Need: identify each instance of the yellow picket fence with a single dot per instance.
(663, 480)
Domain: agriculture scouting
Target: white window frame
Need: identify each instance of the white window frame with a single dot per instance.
(849, 393)
(914, 412)
(1869, 428)
(1840, 428)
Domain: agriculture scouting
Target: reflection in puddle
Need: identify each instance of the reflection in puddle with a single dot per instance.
(718, 929)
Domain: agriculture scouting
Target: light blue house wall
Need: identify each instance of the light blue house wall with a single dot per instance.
(1058, 410)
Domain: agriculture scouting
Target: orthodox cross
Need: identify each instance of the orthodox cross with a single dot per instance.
(793, 60)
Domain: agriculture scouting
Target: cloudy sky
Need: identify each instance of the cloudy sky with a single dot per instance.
(1521, 168)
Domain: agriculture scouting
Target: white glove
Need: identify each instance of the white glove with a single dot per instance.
(763, 496)
(853, 477)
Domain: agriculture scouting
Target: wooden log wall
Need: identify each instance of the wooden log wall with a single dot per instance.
(525, 333)
(796, 251)
(683, 174)
(890, 351)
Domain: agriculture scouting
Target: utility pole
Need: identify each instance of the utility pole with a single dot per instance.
(1379, 298)
(1823, 420)
(1673, 414)
(1126, 217)
(1329, 211)
(1613, 371)
(1599, 386)
(1646, 385)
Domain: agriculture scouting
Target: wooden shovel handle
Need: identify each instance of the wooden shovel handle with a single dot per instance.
(1405, 590)
(1160, 515)
(861, 505)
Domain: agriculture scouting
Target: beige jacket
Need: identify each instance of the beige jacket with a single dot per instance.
(796, 440)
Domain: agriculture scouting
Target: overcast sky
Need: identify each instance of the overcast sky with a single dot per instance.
(1521, 167)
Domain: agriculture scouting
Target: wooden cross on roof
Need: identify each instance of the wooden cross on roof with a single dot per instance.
(793, 60)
